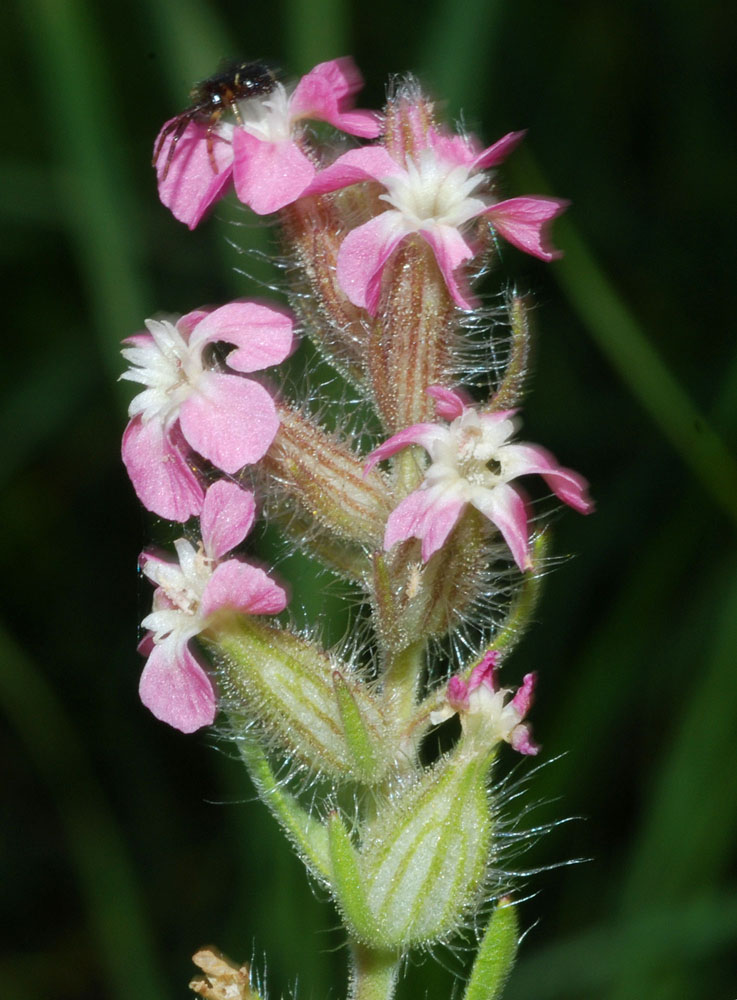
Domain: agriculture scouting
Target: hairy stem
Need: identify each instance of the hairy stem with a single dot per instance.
(401, 681)
(373, 974)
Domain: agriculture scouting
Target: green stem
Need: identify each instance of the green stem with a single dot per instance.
(401, 681)
(373, 974)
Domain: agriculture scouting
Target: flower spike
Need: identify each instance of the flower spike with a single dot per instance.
(379, 245)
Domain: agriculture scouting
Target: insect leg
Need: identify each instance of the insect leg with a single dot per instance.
(214, 119)
(181, 124)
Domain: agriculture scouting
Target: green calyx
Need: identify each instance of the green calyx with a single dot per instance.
(323, 717)
(421, 863)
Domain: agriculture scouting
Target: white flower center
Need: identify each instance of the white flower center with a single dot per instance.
(182, 585)
(489, 716)
(432, 190)
(471, 453)
(169, 368)
(267, 118)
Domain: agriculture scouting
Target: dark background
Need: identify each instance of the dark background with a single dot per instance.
(128, 845)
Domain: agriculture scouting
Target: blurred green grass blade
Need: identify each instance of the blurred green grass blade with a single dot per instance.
(627, 348)
(457, 47)
(27, 195)
(455, 52)
(192, 41)
(589, 963)
(600, 691)
(106, 878)
(692, 807)
(724, 410)
(94, 194)
(62, 384)
(604, 670)
(686, 843)
(315, 30)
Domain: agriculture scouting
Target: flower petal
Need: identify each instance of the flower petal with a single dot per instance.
(505, 506)
(371, 163)
(325, 93)
(422, 434)
(568, 486)
(186, 324)
(157, 568)
(448, 403)
(493, 155)
(146, 646)
(269, 175)
(485, 672)
(229, 420)
(525, 222)
(227, 517)
(161, 476)
(457, 149)
(520, 739)
(523, 698)
(451, 251)
(191, 185)
(363, 254)
(263, 335)
(242, 587)
(429, 514)
(176, 689)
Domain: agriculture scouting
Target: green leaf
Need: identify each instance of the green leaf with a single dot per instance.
(523, 607)
(496, 954)
(357, 736)
(348, 883)
(512, 387)
(307, 834)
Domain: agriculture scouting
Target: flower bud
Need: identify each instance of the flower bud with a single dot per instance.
(319, 715)
(422, 862)
(320, 479)
(313, 230)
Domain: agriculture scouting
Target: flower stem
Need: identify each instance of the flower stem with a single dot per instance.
(401, 680)
(373, 974)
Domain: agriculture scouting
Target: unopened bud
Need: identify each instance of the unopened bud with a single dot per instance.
(306, 702)
(423, 860)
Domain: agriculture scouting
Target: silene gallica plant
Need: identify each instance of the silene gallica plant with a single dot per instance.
(408, 485)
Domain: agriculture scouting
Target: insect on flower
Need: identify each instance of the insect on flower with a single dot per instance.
(211, 98)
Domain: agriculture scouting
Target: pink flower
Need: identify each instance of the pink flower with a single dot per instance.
(486, 710)
(188, 593)
(434, 194)
(472, 462)
(229, 420)
(261, 155)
